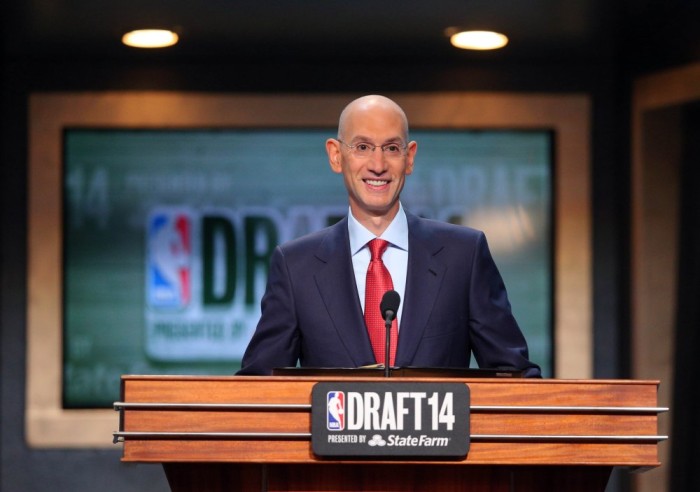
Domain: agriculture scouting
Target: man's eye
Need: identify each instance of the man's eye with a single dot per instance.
(392, 148)
(363, 147)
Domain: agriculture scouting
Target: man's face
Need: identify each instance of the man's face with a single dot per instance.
(374, 182)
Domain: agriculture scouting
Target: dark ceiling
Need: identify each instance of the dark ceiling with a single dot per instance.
(578, 31)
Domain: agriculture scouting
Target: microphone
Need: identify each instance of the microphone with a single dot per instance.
(390, 304)
(389, 307)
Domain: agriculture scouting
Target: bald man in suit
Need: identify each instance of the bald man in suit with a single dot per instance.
(454, 303)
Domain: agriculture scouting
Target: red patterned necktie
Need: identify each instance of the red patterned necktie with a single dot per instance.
(378, 282)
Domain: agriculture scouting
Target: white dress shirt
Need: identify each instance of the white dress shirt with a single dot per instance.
(395, 257)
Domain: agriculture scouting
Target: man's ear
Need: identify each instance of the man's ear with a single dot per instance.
(334, 156)
(410, 156)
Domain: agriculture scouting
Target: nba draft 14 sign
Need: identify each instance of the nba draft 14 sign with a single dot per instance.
(390, 419)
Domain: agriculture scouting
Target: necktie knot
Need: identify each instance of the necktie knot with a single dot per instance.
(377, 247)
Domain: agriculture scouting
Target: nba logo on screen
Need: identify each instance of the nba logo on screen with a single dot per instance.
(335, 402)
(169, 259)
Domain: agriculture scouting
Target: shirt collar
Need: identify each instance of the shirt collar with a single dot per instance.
(396, 233)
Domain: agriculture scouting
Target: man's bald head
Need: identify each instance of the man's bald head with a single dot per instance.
(372, 103)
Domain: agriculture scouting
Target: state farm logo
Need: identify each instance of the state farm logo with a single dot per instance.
(376, 440)
(408, 441)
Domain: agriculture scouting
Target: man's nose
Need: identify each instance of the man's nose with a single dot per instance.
(376, 161)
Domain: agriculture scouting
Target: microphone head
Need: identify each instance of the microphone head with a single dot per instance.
(390, 302)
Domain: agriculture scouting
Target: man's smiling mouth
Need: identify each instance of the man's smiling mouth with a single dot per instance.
(376, 182)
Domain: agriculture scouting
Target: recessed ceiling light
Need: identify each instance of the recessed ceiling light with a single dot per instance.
(477, 40)
(150, 38)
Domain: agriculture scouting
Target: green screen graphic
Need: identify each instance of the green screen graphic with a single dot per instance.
(168, 234)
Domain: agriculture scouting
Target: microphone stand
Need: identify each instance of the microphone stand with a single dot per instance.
(387, 346)
(388, 307)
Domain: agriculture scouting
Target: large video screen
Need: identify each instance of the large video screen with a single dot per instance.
(168, 233)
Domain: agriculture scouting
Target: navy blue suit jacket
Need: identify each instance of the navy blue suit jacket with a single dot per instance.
(455, 305)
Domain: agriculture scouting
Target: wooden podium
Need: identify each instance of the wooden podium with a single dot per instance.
(254, 433)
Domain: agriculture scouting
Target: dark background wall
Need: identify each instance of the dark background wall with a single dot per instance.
(607, 78)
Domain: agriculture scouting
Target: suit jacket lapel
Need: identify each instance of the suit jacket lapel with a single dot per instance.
(424, 277)
(336, 284)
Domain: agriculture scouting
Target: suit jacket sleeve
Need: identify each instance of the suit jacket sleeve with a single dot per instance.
(496, 338)
(276, 339)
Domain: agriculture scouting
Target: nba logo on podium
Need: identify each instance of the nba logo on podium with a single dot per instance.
(335, 401)
(169, 259)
